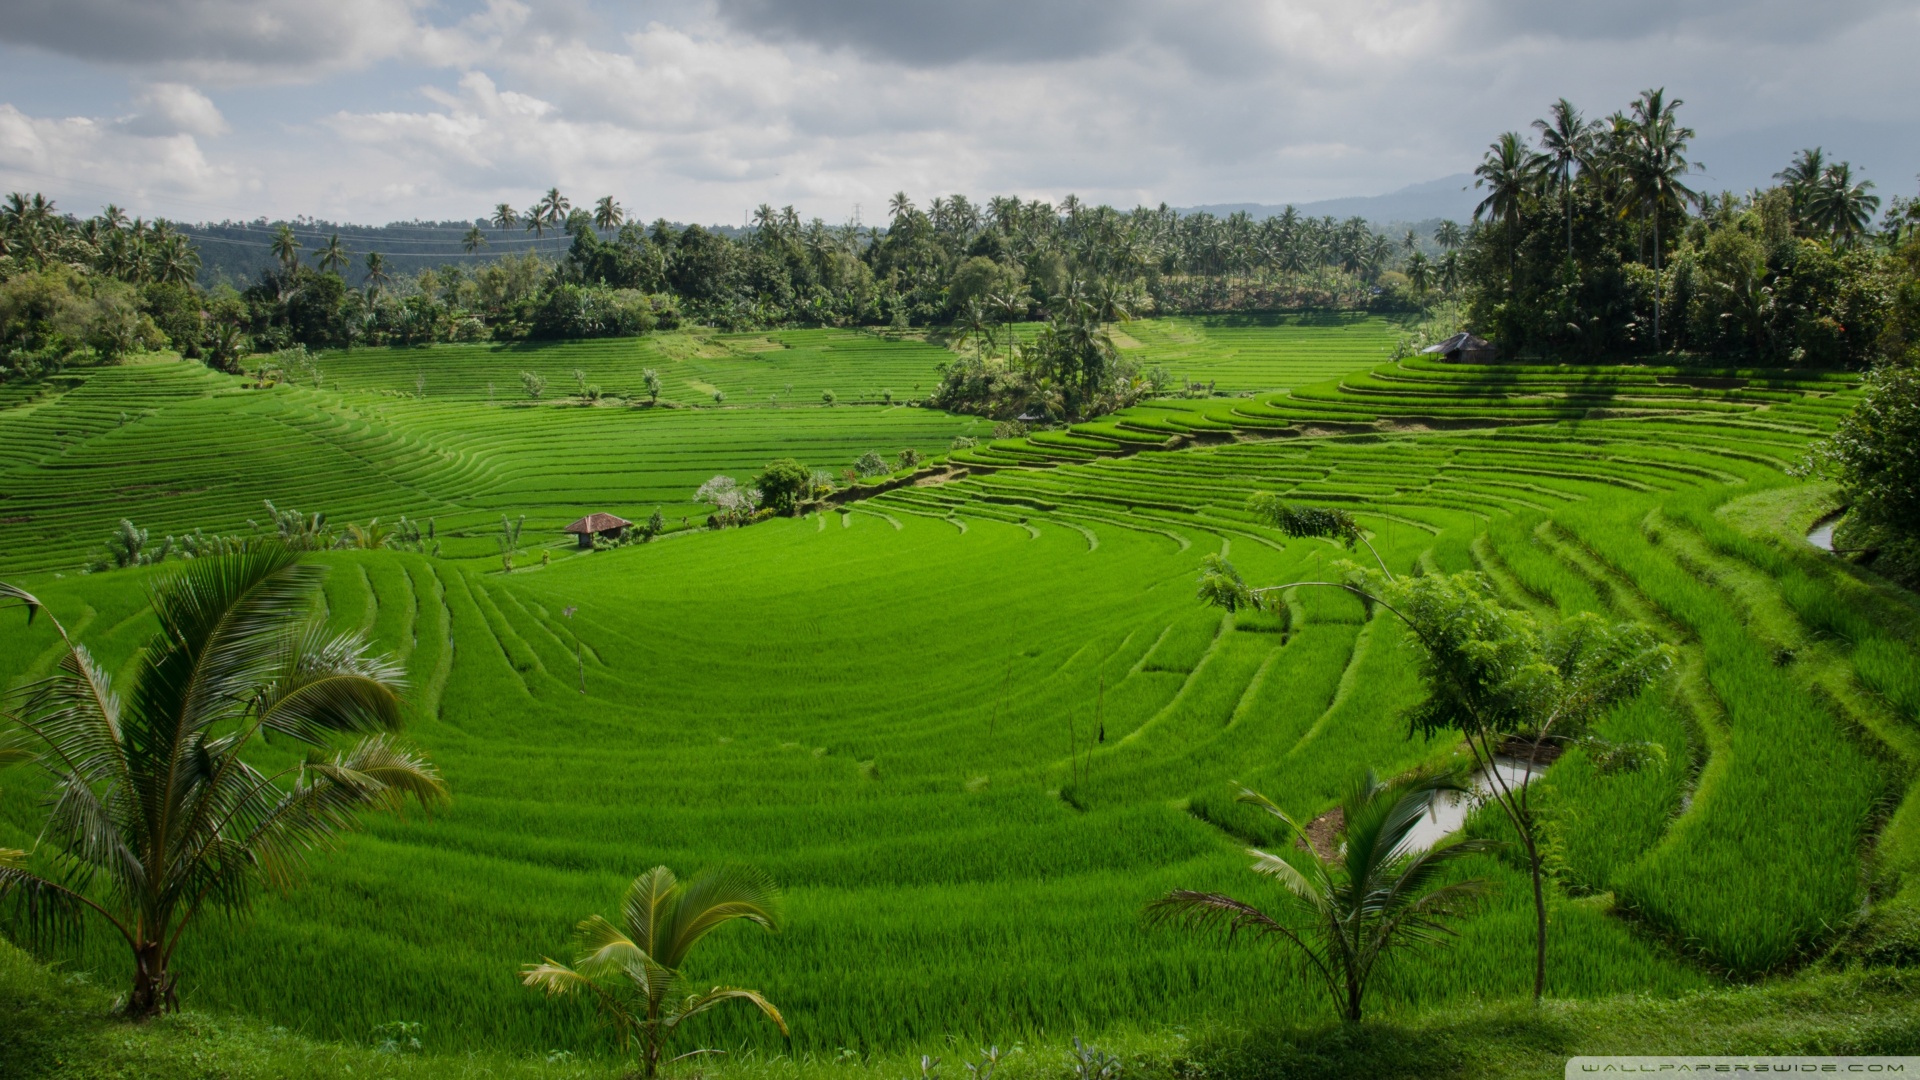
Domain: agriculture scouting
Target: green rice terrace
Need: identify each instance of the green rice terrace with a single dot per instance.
(975, 721)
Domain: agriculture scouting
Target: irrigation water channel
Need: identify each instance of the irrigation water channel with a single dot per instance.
(1821, 535)
(1449, 810)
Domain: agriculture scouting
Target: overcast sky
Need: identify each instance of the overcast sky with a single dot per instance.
(379, 110)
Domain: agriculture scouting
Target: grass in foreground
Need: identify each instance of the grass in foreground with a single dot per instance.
(61, 1027)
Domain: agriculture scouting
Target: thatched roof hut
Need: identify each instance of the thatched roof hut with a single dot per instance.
(598, 525)
(1463, 348)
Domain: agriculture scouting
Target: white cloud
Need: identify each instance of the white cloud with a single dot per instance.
(103, 161)
(230, 41)
(696, 109)
(174, 109)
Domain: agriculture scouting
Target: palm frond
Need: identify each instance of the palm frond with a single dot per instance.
(553, 977)
(1195, 908)
(699, 1003)
(373, 774)
(647, 904)
(225, 623)
(711, 899)
(76, 713)
(327, 684)
(604, 950)
(23, 598)
(1254, 798)
(40, 909)
(14, 749)
(1316, 894)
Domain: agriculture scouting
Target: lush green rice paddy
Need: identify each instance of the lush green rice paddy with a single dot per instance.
(973, 726)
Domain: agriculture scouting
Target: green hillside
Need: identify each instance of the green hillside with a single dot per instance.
(973, 725)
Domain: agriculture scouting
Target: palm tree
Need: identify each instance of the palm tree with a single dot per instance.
(156, 811)
(607, 214)
(504, 216)
(974, 322)
(175, 262)
(553, 206)
(376, 272)
(899, 206)
(1802, 177)
(475, 239)
(633, 971)
(285, 247)
(1352, 907)
(331, 256)
(536, 219)
(1011, 304)
(1510, 172)
(1420, 272)
(1840, 205)
(1567, 139)
(1655, 165)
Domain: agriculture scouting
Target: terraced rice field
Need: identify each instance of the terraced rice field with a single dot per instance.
(782, 367)
(974, 725)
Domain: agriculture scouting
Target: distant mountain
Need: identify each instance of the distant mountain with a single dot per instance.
(1449, 197)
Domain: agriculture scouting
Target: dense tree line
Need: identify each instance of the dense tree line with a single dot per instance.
(1590, 243)
(1006, 260)
(103, 287)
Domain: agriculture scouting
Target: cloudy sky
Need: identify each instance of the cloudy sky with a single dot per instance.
(379, 110)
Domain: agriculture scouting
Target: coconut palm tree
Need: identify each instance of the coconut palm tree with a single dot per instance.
(536, 219)
(607, 214)
(175, 262)
(1655, 165)
(1802, 176)
(475, 239)
(554, 206)
(1840, 205)
(1420, 272)
(633, 971)
(156, 811)
(1510, 172)
(1348, 909)
(332, 255)
(1567, 139)
(504, 216)
(285, 247)
(376, 273)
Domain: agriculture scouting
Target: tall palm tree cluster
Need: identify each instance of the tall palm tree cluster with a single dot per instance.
(104, 286)
(34, 236)
(1590, 239)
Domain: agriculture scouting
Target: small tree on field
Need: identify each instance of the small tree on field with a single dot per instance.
(509, 540)
(1222, 586)
(783, 484)
(534, 383)
(1375, 895)
(1497, 676)
(828, 397)
(886, 396)
(732, 504)
(652, 379)
(632, 971)
(656, 524)
(1875, 456)
(719, 397)
(910, 458)
(157, 809)
(1300, 521)
(872, 464)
